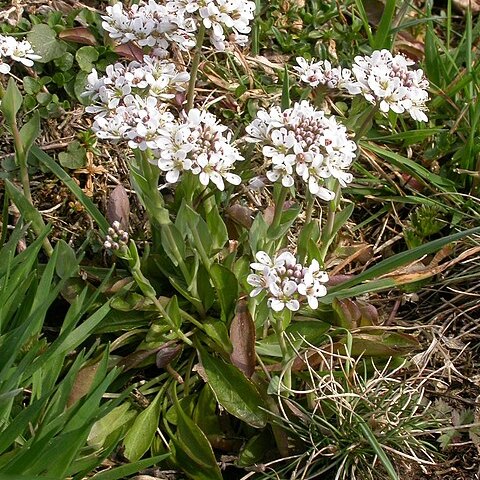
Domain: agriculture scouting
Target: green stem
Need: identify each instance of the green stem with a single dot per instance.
(159, 213)
(309, 209)
(279, 203)
(149, 292)
(167, 229)
(328, 229)
(194, 68)
(285, 353)
(22, 162)
(21, 156)
(201, 251)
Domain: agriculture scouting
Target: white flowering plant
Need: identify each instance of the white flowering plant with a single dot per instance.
(243, 261)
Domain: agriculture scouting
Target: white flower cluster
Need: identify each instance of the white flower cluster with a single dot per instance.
(129, 101)
(19, 51)
(157, 25)
(383, 79)
(129, 104)
(322, 73)
(287, 282)
(197, 143)
(303, 141)
(387, 80)
(153, 77)
(150, 25)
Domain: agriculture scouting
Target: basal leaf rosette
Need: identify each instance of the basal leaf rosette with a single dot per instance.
(286, 282)
(302, 144)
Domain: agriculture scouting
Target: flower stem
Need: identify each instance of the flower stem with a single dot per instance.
(194, 69)
(328, 229)
(285, 353)
(309, 209)
(147, 290)
(279, 203)
(21, 157)
(22, 162)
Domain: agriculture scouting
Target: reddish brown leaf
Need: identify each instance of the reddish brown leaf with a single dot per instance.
(118, 207)
(80, 35)
(242, 336)
(166, 354)
(130, 51)
(83, 383)
(347, 313)
(338, 279)
(240, 214)
(369, 314)
(135, 359)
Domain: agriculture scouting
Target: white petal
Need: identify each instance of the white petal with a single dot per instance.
(293, 305)
(276, 304)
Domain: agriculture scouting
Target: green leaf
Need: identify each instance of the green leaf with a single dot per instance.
(217, 229)
(31, 86)
(341, 219)
(79, 87)
(45, 43)
(285, 103)
(115, 419)
(65, 62)
(28, 212)
(392, 263)
(379, 451)
(255, 449)
(258, 233)
(381, 38)
(195, 444)
(217, 331)
(85, 57)
(74, 157)
(173, 311)
(307, 241)
(175, 236)
(288, 218)
(140, 435)
(30, 131)
(413, 168)
(130, 469)
(11, 103)
(226, 285)
(233, 391)
(66, 258)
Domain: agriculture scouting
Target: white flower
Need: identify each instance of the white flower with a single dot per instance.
(389, 82)
(283, 297)
(158, 25)
(18, 51)
(302, 142)
(322, 73)
(197, 143)
(285, 282)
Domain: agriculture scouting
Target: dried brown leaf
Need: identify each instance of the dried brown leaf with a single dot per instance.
(118, 207)
(242, 336)
(166, 354)
(130, 51)
(83, 383)
(80, 35)
(240, 214)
